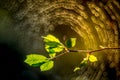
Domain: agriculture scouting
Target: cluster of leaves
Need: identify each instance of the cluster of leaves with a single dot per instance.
(88, 58)
(54, 46)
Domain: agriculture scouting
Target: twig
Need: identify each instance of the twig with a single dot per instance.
(58, 55)
(91, 51)
(85, 51)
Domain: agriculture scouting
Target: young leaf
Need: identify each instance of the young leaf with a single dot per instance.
(70, 42)
(84, 62)
(52, 55)
(92, 58)
(77, 68)
(51, 38)
(53, 48)
(33, 59)
(52, 44)
(47, 66)
(37, 64)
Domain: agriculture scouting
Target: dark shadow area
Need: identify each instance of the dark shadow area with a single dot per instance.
(11, 61)
(111, 73)
(12, 66)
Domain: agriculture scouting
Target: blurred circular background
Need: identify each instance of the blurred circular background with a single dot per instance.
(94, 23)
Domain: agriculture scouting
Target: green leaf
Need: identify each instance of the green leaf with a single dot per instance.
(84, 62)
(33, 59)
(52, 55)
(51, 38)
(53, 48)
(47, 66)
(70, 42)
(37, 64)
(77, 68)
(52, 45)
(92, 58)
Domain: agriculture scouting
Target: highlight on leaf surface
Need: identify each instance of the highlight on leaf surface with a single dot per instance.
(47, 66)
(50, 38)
(35, 59)
(92, 58)
(70, 42)
(52, 55)
(84, 62)
(52, 45)
(77, 68)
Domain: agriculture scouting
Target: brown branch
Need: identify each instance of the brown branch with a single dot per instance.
(85, 51)
(102, 49)
(80, 51)
(58, 55)
(91, 51)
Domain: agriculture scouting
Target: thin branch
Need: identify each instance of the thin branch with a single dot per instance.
(58, 56)
(103, 49)
(85, 51)
(91, 51)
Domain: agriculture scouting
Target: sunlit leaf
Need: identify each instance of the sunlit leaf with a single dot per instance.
(51, 38)
(47, 66)
(52, 44)
(33, 59)
(70, 42)
(52, 55)
(77, 68)
(84, 62)
(50, 49)
(92, 58)
(37, 64)
(53, 47)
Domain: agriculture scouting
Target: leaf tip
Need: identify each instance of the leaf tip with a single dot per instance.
(76, 69)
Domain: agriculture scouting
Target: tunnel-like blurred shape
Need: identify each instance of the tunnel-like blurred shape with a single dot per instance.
(93, 22)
